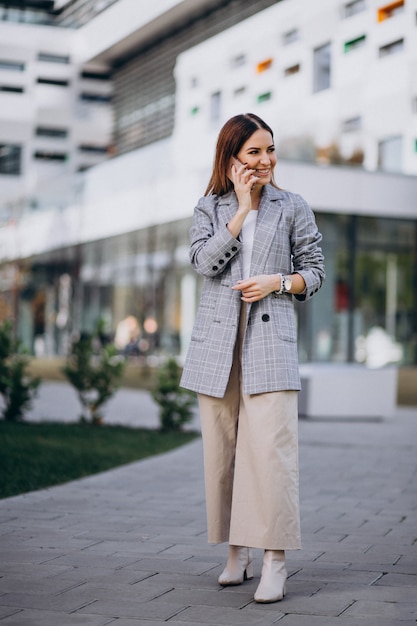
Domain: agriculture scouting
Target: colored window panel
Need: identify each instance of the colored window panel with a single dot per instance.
(294, 69)
(263, 97)
(390, 10)
(264, 65)
(353, 44)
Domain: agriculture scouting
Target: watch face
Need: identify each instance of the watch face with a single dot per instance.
(287, 284)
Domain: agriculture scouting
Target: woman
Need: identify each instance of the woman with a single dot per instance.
(257, 247)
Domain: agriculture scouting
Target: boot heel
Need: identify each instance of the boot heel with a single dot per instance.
(248, 572)
(238, 567)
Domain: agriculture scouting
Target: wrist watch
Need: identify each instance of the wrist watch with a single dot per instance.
(286, 284)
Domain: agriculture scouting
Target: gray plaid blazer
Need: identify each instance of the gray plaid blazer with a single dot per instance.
(286, 240)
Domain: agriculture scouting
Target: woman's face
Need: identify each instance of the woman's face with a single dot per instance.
(258, 153)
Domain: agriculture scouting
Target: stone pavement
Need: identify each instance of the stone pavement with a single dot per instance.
(128, 547)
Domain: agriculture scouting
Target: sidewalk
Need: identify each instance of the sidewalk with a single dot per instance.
(128, 547)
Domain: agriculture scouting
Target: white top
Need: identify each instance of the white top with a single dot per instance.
(246, 237)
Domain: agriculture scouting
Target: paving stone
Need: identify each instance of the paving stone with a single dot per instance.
(173, 565)
(30, 584)
(155, 609)
(400, 580)
(228, 617)
(336, 574)
(194, 597)
(6, 611)
(41, 601)
(342, 620)
(49, 618)
(91, 574)
(388, 610)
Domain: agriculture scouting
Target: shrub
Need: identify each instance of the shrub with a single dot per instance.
(175, 403)
(95, 370)
(17, 387)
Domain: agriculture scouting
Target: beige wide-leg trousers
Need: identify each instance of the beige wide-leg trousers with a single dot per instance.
(251, 465)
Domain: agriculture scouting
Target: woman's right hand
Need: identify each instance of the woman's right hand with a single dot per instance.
(243, 180)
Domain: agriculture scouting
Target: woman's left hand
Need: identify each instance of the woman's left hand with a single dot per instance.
(256, 287)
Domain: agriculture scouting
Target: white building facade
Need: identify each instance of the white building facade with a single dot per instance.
(88, 241)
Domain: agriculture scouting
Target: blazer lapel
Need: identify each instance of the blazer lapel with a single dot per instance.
(270, 211)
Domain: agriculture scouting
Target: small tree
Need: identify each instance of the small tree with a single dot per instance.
(17, 387)
(95, 370)
(175, 403)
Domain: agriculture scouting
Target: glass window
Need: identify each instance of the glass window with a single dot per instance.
(390, 154)
(91, 75)
(11, 89)
(10, 159)
(365, 311)
(392, 48)
(322, 68)
(290, 36)
(50, 156)
(94, 97)
(238, 60)
(13, 66)
(351, 8)
(351, 124)
(93, 149)
(46, 131)
(53, 81)
(215, 106)
(53, 58)
(239, 91)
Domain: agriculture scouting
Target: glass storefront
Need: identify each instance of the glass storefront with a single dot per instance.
(366, 311)
(142, 288)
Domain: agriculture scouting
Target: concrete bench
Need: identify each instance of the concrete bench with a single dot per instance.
(345, 390)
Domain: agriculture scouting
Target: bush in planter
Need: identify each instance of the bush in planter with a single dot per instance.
(175, 403)
(95, 370)
(17, 387)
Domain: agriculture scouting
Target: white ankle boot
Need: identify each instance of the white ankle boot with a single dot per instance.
(238, 567)
(274, 574)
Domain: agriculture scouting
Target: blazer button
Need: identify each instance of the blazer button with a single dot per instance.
(227, 254)
(265, 317)
(221, 261)
(214, 268)
(234, 248)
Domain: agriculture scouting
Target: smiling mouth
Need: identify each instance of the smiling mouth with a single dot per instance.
(263, 172)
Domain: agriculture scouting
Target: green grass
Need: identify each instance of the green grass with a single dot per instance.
(35, 456)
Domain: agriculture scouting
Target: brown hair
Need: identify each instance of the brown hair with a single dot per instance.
(232, 136)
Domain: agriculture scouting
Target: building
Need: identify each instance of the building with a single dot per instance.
(335, 79)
